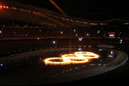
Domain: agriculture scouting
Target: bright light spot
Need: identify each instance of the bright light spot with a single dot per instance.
(80, 39)
(53, 42)
(99, 64)
(111, 34)
(92, 64)
(1, 6)
(76, 34)
(98, 31)
(14, 8)
(61, 32)
(38, 38)
(126, 23)
(87, 34)
(103, 24)
(1, 65)
(121, 41)
(74, 58)
(0, 31)
(100, 49)
(74, 30)
(89, 46)
(79, 48)
(5, 7)
(110, 56)
(112, 52)
(85, 22)
(93, 23)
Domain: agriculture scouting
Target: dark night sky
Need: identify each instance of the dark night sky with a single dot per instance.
(94, 9)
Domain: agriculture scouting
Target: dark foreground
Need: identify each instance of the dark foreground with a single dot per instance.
(25, 66)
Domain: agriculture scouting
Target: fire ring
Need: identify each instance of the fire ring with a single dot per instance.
(75, 58)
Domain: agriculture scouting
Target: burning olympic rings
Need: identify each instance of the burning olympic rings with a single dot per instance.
(75, 58)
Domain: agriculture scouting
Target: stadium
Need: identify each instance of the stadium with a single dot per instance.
(39, 46)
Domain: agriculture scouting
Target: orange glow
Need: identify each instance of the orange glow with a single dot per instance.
(1, 6)
(75, 58)
(58, 7)
(50, 61)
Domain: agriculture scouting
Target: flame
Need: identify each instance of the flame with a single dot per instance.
(75, 58)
